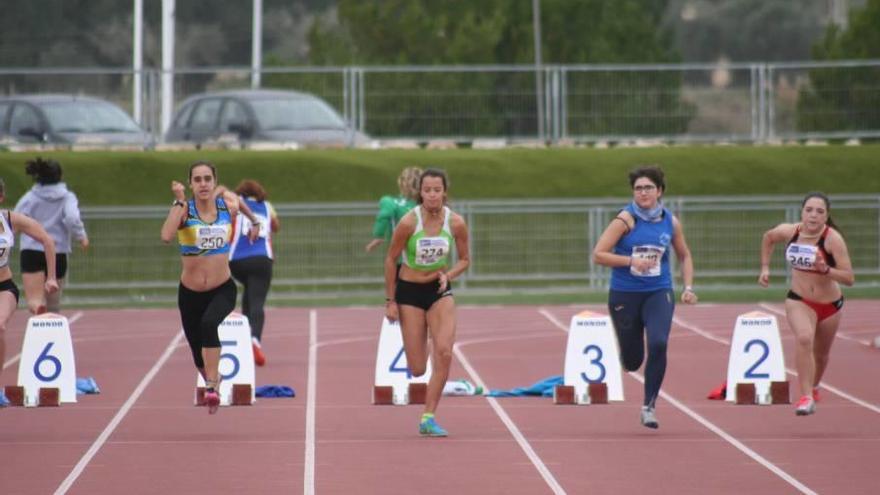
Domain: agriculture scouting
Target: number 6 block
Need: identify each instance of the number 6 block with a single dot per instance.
(755, 356)
(47, 359)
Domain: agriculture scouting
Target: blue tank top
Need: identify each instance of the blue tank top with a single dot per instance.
(242, 247)
(647, 240)
(199, 238)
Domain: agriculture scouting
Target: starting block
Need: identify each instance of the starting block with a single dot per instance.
(746, 394)
(47, 368)
(597, 393)
(49, 397)
(756, 366)
(237, 371)
(394, 384)
(592, 362)
(15, 395)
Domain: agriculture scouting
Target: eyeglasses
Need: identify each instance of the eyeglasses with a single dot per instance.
(645, 188)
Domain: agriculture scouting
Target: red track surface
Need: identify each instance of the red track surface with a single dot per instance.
(143, 435)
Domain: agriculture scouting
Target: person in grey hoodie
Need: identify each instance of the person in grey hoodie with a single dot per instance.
(56, 208)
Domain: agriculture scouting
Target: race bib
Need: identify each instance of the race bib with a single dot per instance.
(801, 256)
(431, 250)
(264, 225)
(212, 237)
(648, 252)
(5, 249)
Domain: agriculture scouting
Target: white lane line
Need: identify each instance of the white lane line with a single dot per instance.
(840, 334)
(697, 330)
(309, 470)
(511, 426)
(14, 359)
(791, 480)
(102, 438)
(721, 433)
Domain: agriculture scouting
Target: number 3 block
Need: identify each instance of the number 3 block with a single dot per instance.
(592, 361)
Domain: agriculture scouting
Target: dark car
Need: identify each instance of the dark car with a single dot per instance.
(261, 115)
(67, 119)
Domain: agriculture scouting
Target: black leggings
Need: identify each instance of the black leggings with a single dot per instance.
(255, 274)
(201, 313)
(636, 314)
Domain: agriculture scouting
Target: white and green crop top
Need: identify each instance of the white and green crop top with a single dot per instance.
(428, 253)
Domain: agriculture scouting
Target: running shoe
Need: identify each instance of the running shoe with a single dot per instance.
(212, 400)
(816, 397)
(430, 428)
(649, 419)
(259, 357)
(805, 406)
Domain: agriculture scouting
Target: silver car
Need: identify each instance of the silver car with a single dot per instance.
(276, 116)
(67, 119)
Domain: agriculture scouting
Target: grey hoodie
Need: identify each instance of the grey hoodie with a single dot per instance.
(57, 210)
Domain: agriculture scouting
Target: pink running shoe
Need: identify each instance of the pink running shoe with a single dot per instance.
(212, 400)
(816, 397)
(805, 406)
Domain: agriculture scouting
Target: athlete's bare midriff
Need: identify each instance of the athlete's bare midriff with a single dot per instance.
(203, 273)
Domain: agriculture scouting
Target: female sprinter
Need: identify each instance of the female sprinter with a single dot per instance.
(820, 262)
(421, 294)
(206, 294)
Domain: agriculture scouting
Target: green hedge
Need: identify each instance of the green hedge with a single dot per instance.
(143, 178)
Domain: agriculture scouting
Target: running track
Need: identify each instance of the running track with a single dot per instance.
(142, 435)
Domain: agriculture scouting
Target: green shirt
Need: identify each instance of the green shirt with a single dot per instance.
(391, 210)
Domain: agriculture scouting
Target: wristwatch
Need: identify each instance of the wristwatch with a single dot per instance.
(178, 202)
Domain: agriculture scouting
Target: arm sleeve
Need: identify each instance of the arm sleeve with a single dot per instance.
(382, 225)
(72, 218)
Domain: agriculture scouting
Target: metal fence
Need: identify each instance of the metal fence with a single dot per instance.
(537, 245)
(675, 102)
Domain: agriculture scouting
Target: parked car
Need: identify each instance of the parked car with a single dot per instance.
(67, 119)
(261, 115)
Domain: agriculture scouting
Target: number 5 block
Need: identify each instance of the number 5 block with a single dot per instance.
(755, 356)
(47, 359)
(236, 361)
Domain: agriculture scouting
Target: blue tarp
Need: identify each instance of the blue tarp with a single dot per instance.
(87, 385)
(544, 388)
(272, 391)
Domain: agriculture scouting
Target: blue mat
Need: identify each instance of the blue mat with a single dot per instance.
(87, 385)
(544, 388)
(274, 391)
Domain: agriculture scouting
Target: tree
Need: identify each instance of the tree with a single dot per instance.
(845, 98)
(425, 32)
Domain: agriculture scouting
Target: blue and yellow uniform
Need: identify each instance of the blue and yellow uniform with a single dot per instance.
(199, 238)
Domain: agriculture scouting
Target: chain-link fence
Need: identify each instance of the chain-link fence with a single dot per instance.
(523, 244)
(670, 102)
